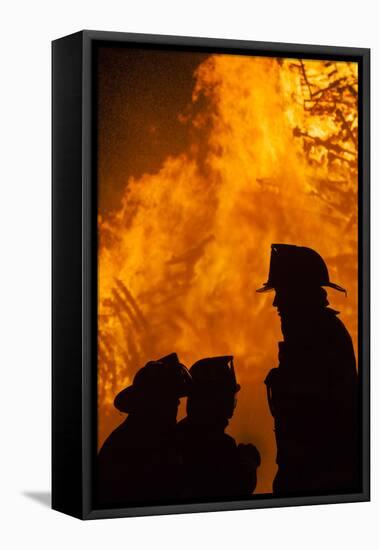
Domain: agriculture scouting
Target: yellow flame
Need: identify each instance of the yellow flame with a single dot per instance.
(273, 159)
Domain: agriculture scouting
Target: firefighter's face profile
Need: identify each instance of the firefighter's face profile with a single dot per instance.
(161, 408)
(287, 300)
(212, 405)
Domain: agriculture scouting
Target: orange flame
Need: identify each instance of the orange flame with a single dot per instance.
(273, 159)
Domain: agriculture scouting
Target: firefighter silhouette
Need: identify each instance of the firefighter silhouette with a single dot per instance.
(312, 394)
(139, 462)
(215, 466)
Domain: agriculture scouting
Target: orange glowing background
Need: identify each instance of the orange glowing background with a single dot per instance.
(261, 150)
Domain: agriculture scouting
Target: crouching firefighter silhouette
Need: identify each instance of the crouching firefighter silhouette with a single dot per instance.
(139, 461)
(215, 466)
(312, 394)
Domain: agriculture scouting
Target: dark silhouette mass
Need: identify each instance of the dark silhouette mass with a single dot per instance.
(313, 393)
(215, 467)
(139, 462)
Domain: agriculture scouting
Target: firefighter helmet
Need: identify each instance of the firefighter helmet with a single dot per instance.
(214, 373)
(297, 266)
(166, 377)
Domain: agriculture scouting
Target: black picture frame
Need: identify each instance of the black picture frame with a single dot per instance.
(74, 267)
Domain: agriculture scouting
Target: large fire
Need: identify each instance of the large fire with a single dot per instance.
(273, 159)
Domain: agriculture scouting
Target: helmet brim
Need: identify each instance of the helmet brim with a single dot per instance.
(124, 400)
(336, 287)
(267, 287)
